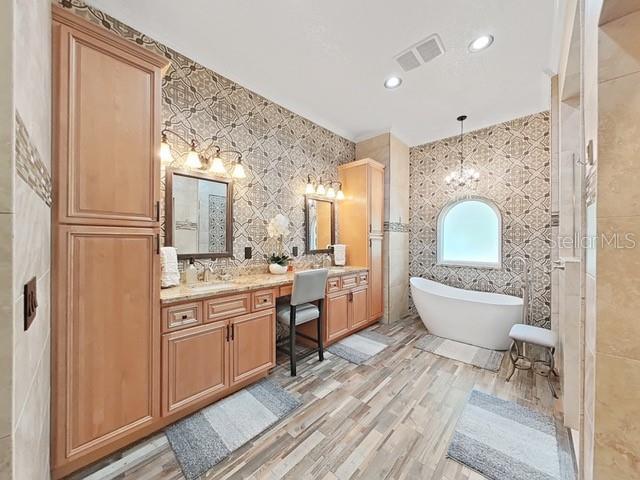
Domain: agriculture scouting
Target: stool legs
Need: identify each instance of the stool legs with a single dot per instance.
(292, 340)
(515, 356)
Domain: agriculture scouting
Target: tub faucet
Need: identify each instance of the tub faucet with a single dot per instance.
(526, 290)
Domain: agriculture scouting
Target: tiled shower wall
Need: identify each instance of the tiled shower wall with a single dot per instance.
(279, 147)
(514, 163)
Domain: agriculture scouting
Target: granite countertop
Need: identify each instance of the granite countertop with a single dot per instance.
(241, 283)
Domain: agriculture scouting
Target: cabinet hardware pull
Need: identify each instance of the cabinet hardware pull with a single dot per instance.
(184, 316)
(158, 243)
(227, 333)
(232, 334)
(158, 211)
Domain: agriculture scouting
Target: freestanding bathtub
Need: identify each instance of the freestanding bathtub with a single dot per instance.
(477, 318)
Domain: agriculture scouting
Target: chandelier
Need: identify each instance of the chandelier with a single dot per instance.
(462, 176)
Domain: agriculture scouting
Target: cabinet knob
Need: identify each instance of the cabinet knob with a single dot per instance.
(184, 316)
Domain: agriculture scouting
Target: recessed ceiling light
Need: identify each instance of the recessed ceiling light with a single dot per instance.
(393, 82)
(481, 43)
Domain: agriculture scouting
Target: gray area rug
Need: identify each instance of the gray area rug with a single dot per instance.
(361, 346)
(212, 434)
(462, 352)
(505, 441)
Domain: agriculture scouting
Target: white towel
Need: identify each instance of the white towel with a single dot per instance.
(340, 254)
(169, 267)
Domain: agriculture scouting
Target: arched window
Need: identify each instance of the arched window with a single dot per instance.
(470, 234)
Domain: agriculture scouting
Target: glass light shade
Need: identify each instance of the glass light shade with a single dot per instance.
(331, 193)
(320, 190)
(165, 152)
(340, 195)
(217, 166)
(238, 171)
(193, 160)
(310, 189)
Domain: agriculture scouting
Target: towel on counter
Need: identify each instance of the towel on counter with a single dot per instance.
(169, 267)
(340, 254)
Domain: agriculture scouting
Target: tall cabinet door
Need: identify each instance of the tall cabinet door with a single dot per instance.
(106, 374)
(337, 316)
(107, 128)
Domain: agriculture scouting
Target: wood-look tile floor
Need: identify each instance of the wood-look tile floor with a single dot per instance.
(391, 418)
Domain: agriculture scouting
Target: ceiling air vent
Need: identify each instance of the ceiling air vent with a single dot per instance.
(422, 52)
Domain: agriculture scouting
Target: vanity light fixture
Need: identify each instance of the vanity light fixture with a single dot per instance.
(193, 159)
(165, 150)
(331, 193)
(238, 169)
(340, 194)
(197, 160)
(217, 165)
(320, 189)
(481, 43)
(393, 82)
(310, 189)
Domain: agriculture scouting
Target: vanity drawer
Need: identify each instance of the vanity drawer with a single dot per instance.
(333, 284)
(228, 306)
(180, 316)
(285, 290)
(262, 299)
(349, 281)
(363, 278)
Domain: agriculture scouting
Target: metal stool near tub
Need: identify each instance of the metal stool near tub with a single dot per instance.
(308, 286)
(542, 337)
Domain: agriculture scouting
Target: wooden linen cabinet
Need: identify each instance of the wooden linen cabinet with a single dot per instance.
(106, 240)
(362, 225)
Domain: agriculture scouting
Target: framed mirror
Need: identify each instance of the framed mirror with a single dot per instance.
(199, 214)
(319, 214)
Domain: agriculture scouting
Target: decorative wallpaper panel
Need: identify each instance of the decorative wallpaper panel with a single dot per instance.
(279, 147)
(514, 163)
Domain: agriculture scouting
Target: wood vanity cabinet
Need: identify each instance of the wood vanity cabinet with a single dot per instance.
(362, 224)
(203, 363)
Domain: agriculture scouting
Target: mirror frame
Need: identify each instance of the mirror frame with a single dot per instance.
(308, 197)
(168, 208)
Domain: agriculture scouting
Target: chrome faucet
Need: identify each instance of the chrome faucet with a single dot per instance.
(207, 270)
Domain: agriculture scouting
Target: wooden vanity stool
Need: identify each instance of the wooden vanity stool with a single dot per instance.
(308, 287)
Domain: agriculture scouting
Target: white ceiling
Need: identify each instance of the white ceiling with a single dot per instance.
(327, 59)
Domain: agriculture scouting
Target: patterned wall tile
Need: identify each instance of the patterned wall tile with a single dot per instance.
(279, 147)
(514, 162)
(29, 164)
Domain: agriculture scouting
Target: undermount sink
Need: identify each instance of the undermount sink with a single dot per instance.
(210, 286)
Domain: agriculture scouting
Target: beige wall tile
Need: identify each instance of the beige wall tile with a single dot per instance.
(6, 323)
(399, 181)
(32, 236)
(617, 433)
(618, 289)
(5, 457)
(590, 312)
(619, 47)
(587, 449)
(6, 108)
(613, 9)
(619, 143)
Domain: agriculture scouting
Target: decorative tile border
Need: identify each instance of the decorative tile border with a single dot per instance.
(29, 164)
(396, 227)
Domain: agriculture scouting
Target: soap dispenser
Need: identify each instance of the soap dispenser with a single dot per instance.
(191, 274)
